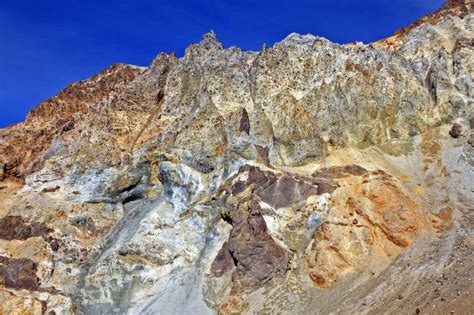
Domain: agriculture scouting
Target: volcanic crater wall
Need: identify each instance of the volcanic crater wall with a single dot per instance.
(297, 178)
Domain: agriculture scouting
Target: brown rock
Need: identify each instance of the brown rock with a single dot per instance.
(16, 228)
(262, 154)
(18, 273)
(257, 257)
(280, 191)
(471, 138)
(53, 243)
(238, 187)
(244, 122)
(49, 190)
(259, 177)
(223, 261)
(340, 171)
(456, 131)
(286, 191)
(22, 153)
(459, 8)
(324, 185)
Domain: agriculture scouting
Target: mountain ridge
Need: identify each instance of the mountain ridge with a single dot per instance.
(308, 177)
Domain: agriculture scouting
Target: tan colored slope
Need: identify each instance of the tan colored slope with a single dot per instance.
(457, 8)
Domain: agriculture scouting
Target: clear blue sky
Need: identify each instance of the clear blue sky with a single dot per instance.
(45, 45)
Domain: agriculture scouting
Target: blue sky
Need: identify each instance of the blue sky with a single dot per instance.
(45, 45)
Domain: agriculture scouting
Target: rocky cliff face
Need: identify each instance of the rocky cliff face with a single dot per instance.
(308, 177)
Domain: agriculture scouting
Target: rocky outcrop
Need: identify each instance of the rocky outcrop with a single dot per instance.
(256, 255)
(308, 177)
(451, 8)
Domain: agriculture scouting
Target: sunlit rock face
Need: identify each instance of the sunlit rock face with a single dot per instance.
(306, 178)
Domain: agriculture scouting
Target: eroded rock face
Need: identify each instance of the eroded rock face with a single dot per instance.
(309, 177)
(371, 217)
(257, 257)
(15, 228)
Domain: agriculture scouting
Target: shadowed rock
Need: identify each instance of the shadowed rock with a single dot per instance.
(456, 131)
(244, 122)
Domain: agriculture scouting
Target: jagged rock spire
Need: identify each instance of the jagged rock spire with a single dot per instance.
(210, 42)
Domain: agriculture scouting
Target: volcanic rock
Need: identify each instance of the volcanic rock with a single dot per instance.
(308, 177)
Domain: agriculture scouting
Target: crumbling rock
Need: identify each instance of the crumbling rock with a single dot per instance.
(309, 177)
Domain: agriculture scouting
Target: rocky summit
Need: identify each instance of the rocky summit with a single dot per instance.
(305, 178)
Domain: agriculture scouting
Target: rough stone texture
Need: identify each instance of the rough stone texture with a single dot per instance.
(223, 261)
(459, 8)
(2, 171)
(15, 228)
(308, 177)
(456, 131)
(18, 274)
(257, 257)
(340, 171)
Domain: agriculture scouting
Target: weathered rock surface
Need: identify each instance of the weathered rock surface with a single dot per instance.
(308, 178)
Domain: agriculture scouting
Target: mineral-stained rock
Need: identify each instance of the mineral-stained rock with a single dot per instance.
(18, 273)
(286, 191)
(257, 257)
(381, 221)
(15, 228)
(340, 171)
(459, 8)
(223, 261)
(456, 131)
(306, 178)
(244, 122)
